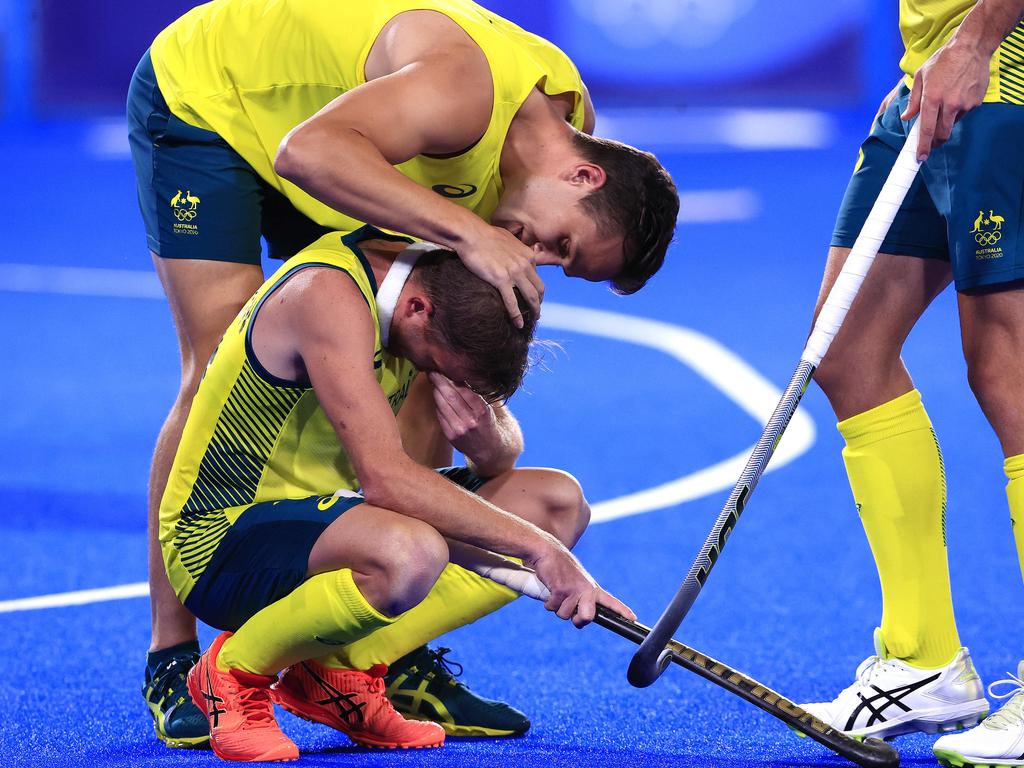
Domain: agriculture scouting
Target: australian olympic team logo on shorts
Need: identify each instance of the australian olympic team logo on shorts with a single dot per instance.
(185, 207)
(987, 231)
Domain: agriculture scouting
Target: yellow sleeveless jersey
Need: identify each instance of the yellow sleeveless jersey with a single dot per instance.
(251, 70)
(251, 437)
(927, 25)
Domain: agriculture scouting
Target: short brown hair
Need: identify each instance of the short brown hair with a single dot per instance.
(471, 320)
(638, 200)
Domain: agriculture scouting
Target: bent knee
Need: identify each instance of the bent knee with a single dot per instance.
(566, 511)
(410, 557)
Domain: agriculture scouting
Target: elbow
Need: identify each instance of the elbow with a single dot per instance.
(383, 488)
(292, 161)
(377, 493)
(492, 466)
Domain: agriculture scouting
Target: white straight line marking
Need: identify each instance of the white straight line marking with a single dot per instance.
(80, 281)
(79, 597)
(723, 369)
(714, 205)
(716, 129)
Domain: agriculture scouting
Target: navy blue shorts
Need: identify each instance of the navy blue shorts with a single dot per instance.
(199, 198)
(264, 554)
(967, 204)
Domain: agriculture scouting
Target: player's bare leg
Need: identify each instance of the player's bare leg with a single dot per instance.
(204, 296)
(896, 474)
(863, 367)
(421, 680)
(548, 498)
(992, 328)
(368, 566)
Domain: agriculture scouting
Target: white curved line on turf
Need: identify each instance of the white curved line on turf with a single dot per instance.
(721, 368)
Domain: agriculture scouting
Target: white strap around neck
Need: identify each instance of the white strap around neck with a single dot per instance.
(392, 284)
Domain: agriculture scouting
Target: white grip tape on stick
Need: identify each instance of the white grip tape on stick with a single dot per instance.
(515, 577)
(497, 568)
(520, 580)
(864, 250)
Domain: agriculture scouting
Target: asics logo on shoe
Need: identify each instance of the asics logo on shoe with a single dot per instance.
(891, 698)
(211, 698)
(351, 711)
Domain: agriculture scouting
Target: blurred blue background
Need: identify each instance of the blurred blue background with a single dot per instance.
(70, 57)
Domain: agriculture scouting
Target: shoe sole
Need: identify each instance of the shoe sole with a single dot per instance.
(176, 742)
(953, 759)
(171, 742)
(197, 698)
(281, 698)
(891, 730)
(467, 731)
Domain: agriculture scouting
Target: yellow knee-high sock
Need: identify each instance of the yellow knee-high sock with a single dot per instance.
(325, 610)
(1014, 468)
(895, 469)
(459, 597)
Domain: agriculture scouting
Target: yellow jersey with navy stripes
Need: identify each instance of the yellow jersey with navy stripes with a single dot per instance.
(251, 437)
(251, 70)
(927, 25)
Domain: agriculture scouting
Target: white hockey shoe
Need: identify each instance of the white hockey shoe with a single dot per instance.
(890, 698)
(999, 740)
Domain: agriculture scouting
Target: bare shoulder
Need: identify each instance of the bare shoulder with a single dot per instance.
(423, 36)
(311, 300)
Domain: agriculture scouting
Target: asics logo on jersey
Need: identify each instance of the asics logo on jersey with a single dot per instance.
(455, 190)
(891, 698)
(350, 711)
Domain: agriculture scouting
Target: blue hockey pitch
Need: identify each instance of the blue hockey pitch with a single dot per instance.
(91, 370)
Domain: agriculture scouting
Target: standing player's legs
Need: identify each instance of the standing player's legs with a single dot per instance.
(204, 297)
(201, 205)
(992, 327)
(982, 171)
(209, 279)
(920, 678)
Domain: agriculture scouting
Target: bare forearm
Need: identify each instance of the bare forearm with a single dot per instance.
(988, 23)
(499, 455)
(345, 171)
(422, 436)
(413, 490)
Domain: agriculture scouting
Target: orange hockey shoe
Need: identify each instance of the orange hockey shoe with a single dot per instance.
(354, 703)
(239, 710)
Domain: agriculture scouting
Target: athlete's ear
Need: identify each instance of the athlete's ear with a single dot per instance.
(419, 304)
(587, 175)
(416, 311)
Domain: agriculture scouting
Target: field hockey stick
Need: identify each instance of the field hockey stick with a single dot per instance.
(652, 656)
(870, 753)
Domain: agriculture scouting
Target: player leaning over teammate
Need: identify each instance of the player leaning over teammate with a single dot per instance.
(287, 119)
(962, 221)
(298, 401)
